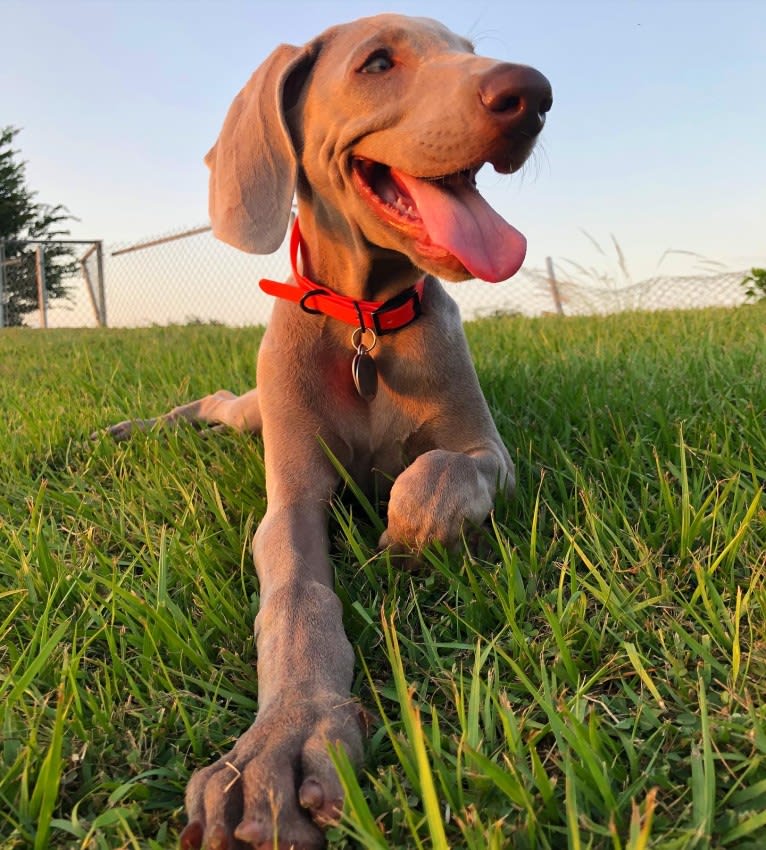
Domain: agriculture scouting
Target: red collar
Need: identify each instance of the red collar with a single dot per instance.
(381, 316)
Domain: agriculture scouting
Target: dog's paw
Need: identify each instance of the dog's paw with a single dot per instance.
(277, 788)
(432, 499)
(123, 430)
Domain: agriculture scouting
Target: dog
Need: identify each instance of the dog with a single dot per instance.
(379, 126)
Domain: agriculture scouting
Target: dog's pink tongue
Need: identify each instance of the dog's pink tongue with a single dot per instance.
(460, 221)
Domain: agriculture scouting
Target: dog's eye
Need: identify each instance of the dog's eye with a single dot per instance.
(377, 63)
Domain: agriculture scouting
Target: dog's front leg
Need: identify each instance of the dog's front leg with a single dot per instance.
(278, 786)
(441, 490)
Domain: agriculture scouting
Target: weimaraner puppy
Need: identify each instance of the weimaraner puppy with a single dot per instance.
(380, 126)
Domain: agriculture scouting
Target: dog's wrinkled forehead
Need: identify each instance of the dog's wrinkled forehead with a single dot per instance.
(413, 37)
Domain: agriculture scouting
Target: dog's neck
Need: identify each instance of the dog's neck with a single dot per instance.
(337, 256)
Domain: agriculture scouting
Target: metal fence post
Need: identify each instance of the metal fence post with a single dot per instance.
(101, 286)
(42, 295)
(89, 283)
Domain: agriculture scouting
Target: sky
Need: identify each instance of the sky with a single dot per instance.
(657, 134)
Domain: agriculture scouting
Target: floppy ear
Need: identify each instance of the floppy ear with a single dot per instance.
(253, 165)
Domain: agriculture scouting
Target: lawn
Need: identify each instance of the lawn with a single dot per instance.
(591, 675)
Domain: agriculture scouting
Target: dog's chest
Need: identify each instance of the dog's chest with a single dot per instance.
(378, 436)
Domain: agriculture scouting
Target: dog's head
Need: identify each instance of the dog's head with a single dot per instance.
(382, 123)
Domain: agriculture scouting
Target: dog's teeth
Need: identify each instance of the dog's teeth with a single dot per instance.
(401, 204)
(389, 195)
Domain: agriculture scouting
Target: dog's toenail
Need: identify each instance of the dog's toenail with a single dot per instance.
(251, 832)
(311, 795)
(329, 813)
(191, 837)
(218, 839)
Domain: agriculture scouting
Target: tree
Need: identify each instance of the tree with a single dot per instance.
(21, 219)
(755, 285)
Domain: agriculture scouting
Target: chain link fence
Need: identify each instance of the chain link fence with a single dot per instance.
(190, 277)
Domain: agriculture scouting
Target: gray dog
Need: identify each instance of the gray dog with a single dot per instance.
(380, 126)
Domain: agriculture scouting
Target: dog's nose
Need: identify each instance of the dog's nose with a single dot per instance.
(518, 96)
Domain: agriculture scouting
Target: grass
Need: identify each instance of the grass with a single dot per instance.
(593, 675)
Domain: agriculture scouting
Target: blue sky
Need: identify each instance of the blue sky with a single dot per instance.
(657, 135)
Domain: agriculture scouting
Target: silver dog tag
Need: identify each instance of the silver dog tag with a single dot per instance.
(365, 374)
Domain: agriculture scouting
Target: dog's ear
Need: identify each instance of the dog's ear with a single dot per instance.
(253, 165)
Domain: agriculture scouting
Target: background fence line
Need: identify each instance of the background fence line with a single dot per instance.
(188, 276)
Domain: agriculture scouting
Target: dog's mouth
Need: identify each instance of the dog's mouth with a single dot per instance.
(444, 215)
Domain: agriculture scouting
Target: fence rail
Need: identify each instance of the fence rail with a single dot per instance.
(188, 276)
